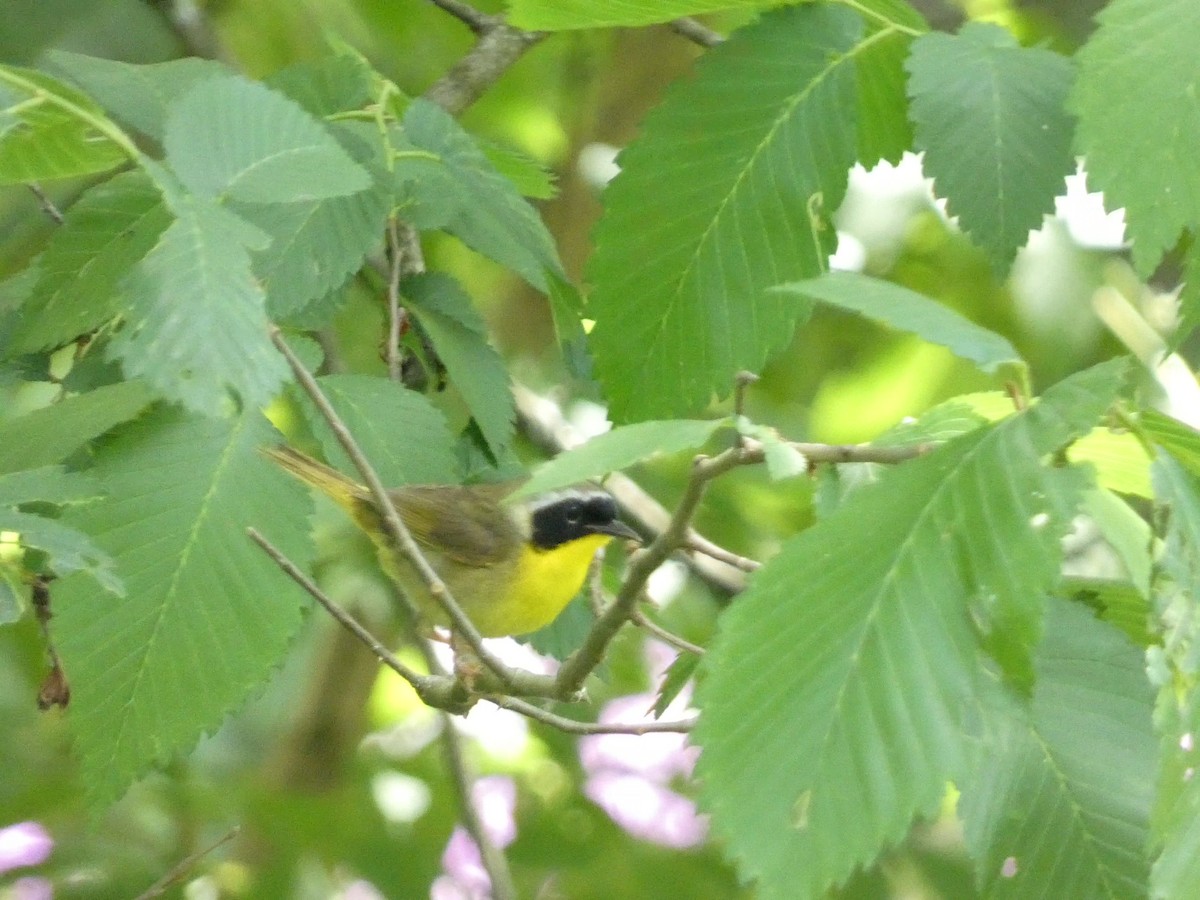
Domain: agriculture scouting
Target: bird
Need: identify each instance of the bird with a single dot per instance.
(511, 565)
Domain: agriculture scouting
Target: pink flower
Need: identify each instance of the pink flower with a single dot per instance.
(24, 844)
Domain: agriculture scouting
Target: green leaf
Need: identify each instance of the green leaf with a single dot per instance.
(67, 549)
(1058, 802)
(49, 130)
(949, 419)
(139, 96)
(560, 15)
(196, 324)
(325, 87)
(48, 484)
(907, 310)
(1138, 122)
(106, 233)
(1118, 603)
(834, 695)
(462, 193)
(884, 132)
(317, 244)
(1176, 819)
(783, 460)
(1189, 297)
(1180, 440)
(617, 449)
(723, 195)
(52, 433)
(679, 673)
(989, 116)
(1174, 664)
(403, 435)
(236, 138)
(459, 336)
(527, 175)
(1126, 532)
(207, 615)
(1119, 458)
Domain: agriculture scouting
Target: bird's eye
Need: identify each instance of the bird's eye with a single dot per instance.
(574, 513)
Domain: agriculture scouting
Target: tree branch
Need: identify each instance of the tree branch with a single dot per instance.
(499, 46)
(477, 21)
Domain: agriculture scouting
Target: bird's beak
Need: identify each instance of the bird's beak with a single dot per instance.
(617, 529)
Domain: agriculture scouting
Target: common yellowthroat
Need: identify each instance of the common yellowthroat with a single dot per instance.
(512, 567)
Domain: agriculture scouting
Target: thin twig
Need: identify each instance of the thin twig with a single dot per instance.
(492, 857)
(46, 203)
(439, 691)
(849, 453)
(395, 260)
(571, 726)
(185, 865)
(640, 619)
(396, 529)
(477, 21)
(700, 544)
(695, 32)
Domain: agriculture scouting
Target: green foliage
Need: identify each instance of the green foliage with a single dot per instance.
(402, 434)
(1075, 763)
(196, 329)
(834, 664)
(106, 233)
(456, 188)
(741, 189)
(1135, 75)
(138, 96)
(49, 131)
(1174, 667)
(52, 433)
(459, 337)
(67, 550)
(982, 605)
(206, 615)
(989, 116)
(233, 138)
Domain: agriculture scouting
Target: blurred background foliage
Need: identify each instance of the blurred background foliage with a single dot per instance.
(340, 797)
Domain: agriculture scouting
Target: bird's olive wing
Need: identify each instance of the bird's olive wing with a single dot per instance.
(466, 524)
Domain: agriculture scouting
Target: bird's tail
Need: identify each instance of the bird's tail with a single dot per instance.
(344, 491)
